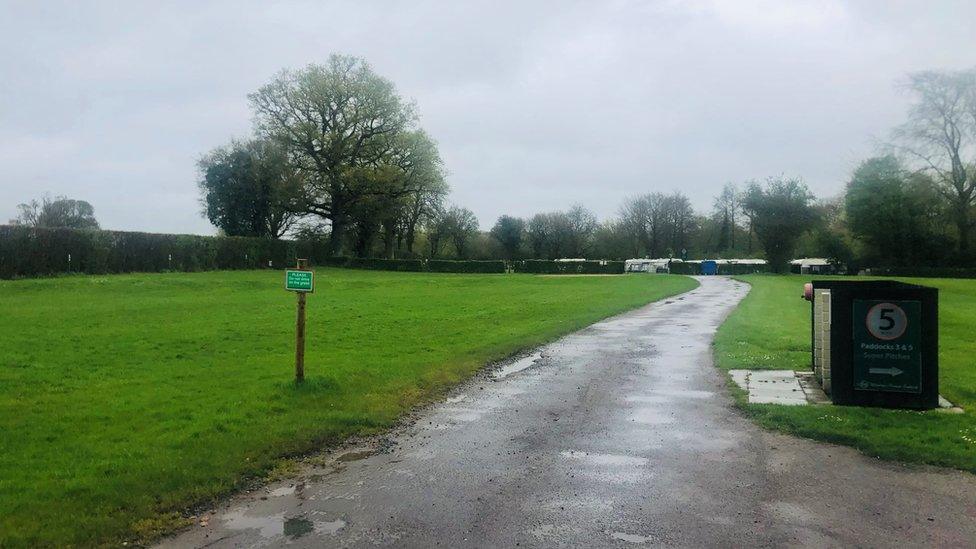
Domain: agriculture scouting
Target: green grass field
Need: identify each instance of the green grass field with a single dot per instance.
(771, 330)
(124, 399)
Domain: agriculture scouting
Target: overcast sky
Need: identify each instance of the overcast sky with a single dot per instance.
(535, 105)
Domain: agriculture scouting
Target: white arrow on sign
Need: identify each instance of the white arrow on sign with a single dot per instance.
(890, 371)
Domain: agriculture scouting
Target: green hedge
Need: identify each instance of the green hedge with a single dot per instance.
(27, 252)
(924, 272)
(685, 268)
(414, 265)
(449, 266)
(741, 269)
(539, 266)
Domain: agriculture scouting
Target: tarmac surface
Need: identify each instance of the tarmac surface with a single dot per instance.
(619, 435)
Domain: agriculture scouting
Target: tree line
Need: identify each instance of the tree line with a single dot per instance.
(338, 156)
(57, 212)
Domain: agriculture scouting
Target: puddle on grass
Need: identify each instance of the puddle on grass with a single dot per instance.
(517, 366)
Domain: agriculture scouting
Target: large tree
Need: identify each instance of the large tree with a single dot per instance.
(582, 225)
(725, 211)
(611, 240)
(462, 225)
(659, 224)
(540, 235)
(509, 232)
(641, 218)
(251, 189)
(894, 212)
(780, 212)
(339, 123)
(61, 212)
(941, 135)
(549, 235)
(679, 223)
(416, 190)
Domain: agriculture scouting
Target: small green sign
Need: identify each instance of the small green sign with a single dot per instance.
(299, 281)
(888, 346)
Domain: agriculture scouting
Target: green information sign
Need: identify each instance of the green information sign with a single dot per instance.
(887, 346)
(299, 281)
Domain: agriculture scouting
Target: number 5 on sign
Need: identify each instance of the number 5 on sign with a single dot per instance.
(301, 281)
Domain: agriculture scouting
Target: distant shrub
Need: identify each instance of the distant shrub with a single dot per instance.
(27, 252)
(337, 261)
(741, 269)
(415, 265)
(540, 266)
(685, 268)
(449, 266)
(924, 272)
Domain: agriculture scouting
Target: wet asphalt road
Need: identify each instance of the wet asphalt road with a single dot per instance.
(620, 435)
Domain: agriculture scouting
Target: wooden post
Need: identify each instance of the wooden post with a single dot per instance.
(300, 331)
(300, 339)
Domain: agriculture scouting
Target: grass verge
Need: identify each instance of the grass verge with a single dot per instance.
(126, 399)
(771, 330)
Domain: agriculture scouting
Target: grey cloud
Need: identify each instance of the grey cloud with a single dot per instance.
(536, 105)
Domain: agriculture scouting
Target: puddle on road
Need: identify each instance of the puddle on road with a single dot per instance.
(283, 491)
(456, 399)
(517, 366)
(462, 415)
(275, 525)
(297, 527)
(553, 532)
(630, 538)
(656, 399)
(572, 506)
(332, 528)
(608, 468)
(267, 526)
(355, 455)
(651, 416)
(684, 393)
(605, 459)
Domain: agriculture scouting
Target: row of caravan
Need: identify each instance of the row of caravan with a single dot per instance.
(725, 266)
(695, 266)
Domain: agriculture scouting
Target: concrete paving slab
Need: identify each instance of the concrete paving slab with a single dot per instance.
(771, 386)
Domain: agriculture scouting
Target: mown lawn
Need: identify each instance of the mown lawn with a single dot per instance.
(771, 330)
(124, 399)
